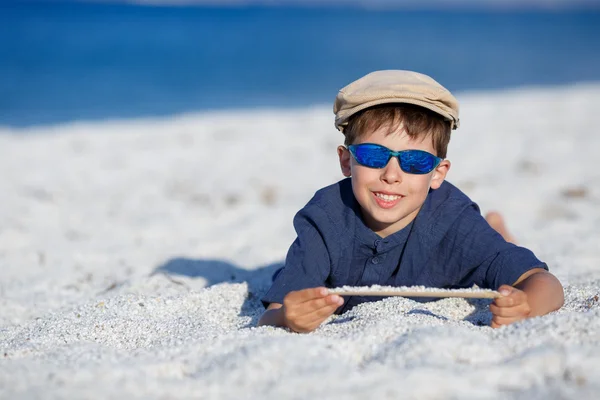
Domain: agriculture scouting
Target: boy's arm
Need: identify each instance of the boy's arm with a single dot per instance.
(297, 298)
(544, 291)
(536, 292)
(303, 310)
(528, 289)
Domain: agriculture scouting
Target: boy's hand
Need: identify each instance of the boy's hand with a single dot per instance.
(512, 307)
(304, 310)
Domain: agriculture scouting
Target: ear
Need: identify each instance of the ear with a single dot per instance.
(344, 156)
(439, 174)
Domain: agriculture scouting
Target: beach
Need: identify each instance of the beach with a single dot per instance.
(134, 252)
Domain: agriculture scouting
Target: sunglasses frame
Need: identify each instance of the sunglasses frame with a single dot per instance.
(391, 153)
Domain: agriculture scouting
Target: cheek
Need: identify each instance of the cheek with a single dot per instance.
(418, 184)
(362, 180)
(364, 175)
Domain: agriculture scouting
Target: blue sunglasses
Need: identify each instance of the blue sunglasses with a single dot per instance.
(372, 155)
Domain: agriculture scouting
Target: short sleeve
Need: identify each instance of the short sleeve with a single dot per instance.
(307, 263)
(485, 258)
(508, 266)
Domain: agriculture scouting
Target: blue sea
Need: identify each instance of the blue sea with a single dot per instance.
(80, 61)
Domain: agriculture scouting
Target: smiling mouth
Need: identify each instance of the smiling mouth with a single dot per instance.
(387, 197)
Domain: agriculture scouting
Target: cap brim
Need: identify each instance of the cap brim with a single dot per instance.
(342, 117)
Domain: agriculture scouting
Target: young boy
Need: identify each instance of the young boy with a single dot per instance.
(394, 220)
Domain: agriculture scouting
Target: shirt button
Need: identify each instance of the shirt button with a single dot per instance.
(377, 242)
(375, 260)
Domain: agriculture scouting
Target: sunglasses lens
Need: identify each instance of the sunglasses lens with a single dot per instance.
(418, 162)
(411, 161)
(371, 155)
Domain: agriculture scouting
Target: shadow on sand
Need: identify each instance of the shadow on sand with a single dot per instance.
(219, 271)
(481, 315)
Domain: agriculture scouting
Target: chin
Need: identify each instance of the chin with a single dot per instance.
(394, 217)
(388, 223)
(387, 219)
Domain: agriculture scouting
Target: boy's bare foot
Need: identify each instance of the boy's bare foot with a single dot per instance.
(497, 222)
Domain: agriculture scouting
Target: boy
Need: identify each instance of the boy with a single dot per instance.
(394, 220)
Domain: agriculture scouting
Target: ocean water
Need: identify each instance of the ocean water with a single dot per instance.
(73, 61)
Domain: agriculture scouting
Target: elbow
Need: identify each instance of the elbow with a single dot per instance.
(559, 293)
(560, 297)
(261, 320)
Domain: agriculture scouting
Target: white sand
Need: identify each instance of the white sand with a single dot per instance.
(133, 255)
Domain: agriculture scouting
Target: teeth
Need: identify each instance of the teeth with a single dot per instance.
(387, 197)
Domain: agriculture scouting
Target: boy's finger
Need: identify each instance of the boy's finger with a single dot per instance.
(516, 311)
(301, 296)
(503, 320)
(331, 300)
(513, 298)
(505, 290)
(510, 301)
(300, 310)
(318, 316)
(310, 321)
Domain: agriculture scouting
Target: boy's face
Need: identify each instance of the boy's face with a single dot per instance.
(389, 197)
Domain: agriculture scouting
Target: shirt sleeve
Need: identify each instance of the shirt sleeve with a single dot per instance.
(307, 263)
(486, 259)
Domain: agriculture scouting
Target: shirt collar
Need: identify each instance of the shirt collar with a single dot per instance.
(372, 240)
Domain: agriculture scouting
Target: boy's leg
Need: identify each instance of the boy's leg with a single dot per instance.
(497, 222)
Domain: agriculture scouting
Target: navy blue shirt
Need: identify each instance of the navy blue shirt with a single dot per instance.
(448, 245)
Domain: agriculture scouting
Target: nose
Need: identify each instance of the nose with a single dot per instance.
(392, 173)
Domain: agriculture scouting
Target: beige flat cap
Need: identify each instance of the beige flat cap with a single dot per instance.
(394, 86)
